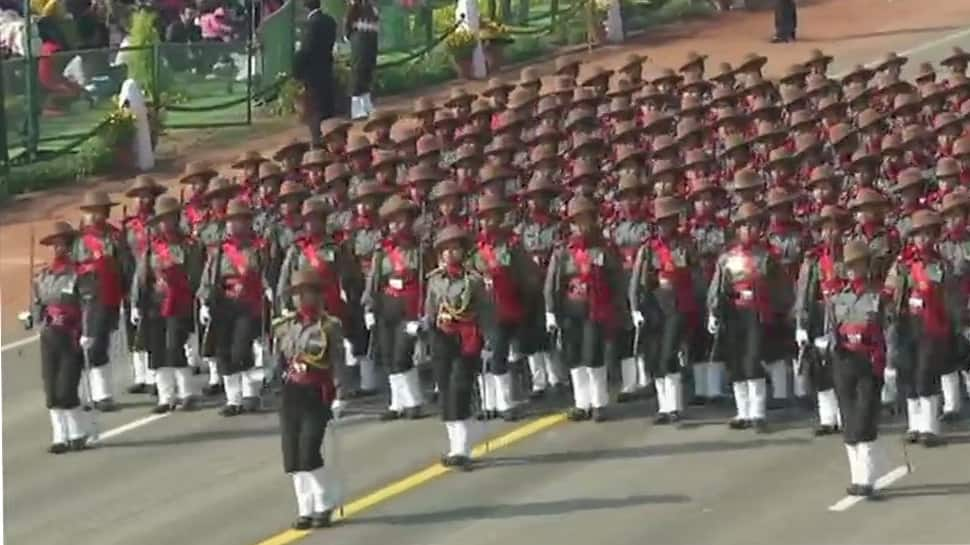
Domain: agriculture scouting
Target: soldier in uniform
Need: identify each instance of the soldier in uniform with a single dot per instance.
(820, 278)
(234, 293)
(137, 236)
(103, 264)
(310, 345)
(289, 158)
(249, 184)
(629, 229)
(456, 315)
(337, 179)
(741, 296)
(540, 231)
(56, 308)
(584, 298)
(162, 307)
(270, 184)
(954, 246)
(853, 338)
(868, 206)
(664, 305)
(499, 258)
(281, 234)
(392, 304)
(926, 312)
(196, 175)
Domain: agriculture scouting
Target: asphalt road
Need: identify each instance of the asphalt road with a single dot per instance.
(188, 478)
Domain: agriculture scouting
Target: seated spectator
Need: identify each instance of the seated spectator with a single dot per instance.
(215, 27)
(183, 31)
(59, 91)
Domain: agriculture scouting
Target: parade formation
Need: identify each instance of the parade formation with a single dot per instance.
(699, 235)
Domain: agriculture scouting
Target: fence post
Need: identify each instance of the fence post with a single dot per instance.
(4, 152)
(553, 15)
(30, 76)
(250, 51)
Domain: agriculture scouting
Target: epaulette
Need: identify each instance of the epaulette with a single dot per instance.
(284, 319)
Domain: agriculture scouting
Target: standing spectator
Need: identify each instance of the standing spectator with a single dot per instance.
(786, 21)
(214, 26)
(59, 91)
(360, 27)
(314, 67)
(184, 31)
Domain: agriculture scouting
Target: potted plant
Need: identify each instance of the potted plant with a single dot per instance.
(118, 134)
(461, 44)
(494, 36)
(596, 20)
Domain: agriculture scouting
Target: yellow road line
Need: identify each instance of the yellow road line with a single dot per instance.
(421, 477)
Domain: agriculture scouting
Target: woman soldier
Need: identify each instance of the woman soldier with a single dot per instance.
(853, 338)
(162, 293)
(392, 304)
(585, 303)
(310, 348)
(746, 279)
(361, 26)
(455, 315)
(56, 306)
(926, 314)
(662, 287)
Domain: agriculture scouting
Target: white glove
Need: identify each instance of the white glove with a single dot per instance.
(551, 323)
(343, 295)
(889, 374)
(337, 408)
(369, 320)
(135, 316)
(712, 324)
(638, 318)
(268, 294)
(966, 333)
(822, 343)
(204, 316)
(801, 337)
(87, 342)
(27, 319)
(411, 328)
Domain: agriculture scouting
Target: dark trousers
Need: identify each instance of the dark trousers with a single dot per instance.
(455, 375)
(235, 327)
(303, 421)
(586, 343)
(500, 343)
(919, 360)
(395, 346)
(663, 353)
(857, 389)
(363, 61)
(61, 361)
(101, 322)
(743, 339)
(786, 18)
(166, 340)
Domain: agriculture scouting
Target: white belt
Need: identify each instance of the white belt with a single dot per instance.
(365, 26)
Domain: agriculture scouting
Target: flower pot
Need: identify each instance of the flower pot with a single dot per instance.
(597, 32)
(494, 56)
(464, 67)
(124, 157)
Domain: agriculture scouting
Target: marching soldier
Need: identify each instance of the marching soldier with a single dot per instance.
(162, 307)
(664, 304)
(310, 350)
(629, 229)
(456, 317)
(540, 232)
(233, 293)
(584, 299)
(820, 279)
(854, 321)
(56, 308)
(270, 183)
(196, 175)
(392, 304)
(103, 263)
(740, 297)
(249, 163)
(869, 207)
(954, 246)
(926, 313)
(137, 236)
(282, 234)
(499, 258)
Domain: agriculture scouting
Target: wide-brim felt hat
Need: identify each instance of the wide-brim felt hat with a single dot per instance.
(497, 85)
(751, 61)
(292, 189)
(445, 189)
(833, 213)
(358, 143)
(564, 64)
(165, 206)
(855, 250)
(96, 199)
(458, 97)
(891, 58)
(396, 204)
(381, 118)
(632, 60)
(748, 212)
(957, 55)
(491, 203)
(293, 147)
(816, 56)
(480, 107)
(371, 188)
(696, 157)
(451, 233)
(422, 173)
(924, 219)
(693, 59)
(858, 72)
(490, 173)
(248, 158)
(316, 206)
(666, 207)
(868, 197)
(59, 230)
(629, 183)
(747, 179)
(238, 208)
(580, 205)
(221, 187)
(779, 196)
(954, 200)
(781, 156)
(700, 186)
(466, 155)
(197, 170)
(540, 184)
(336, 172)
(594, 74)
(334, 125)
(662, 167)
(145, 184)
(630, 153)
(313, 158)
(423, 106)
(945, 121)
(305, 279)
(821, 174)
(909, 177)
(384, 158)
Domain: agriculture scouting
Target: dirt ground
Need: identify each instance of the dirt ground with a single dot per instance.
(866, 28)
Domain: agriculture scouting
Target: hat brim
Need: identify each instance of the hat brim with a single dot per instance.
(463, 240)
(109, 204)
(205, 175)
(244, 163)
(760, 216)
(51, 239)
(247, 214)
(152, 191)
(789, 200)
(162, 215)
(303, 286)
(291, 149)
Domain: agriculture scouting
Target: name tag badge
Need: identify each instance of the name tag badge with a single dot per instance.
(916, 302)
(396, 283)
(328, 255)
(855, 338)
(746, 295)
(599, 259)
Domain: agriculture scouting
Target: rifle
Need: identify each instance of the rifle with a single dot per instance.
(147, 282)
(214, 295)
(719, 313)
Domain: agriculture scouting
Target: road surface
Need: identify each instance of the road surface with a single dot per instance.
(190, 478)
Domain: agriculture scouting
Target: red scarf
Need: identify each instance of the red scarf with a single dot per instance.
(784, 227)
(395, 247)
(680, 280)
(594, 278)
(508, 299)
(246, 283)
(332, 302)
(828, 277)
(936, 323)
(105, 267)
(60, 263)
(173, 280)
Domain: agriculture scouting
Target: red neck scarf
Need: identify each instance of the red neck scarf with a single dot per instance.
(60, 263)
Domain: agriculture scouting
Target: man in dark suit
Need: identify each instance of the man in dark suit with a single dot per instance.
(786, 21)
(314, 67)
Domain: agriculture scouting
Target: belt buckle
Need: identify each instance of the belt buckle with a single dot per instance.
(396, 283)
(916, 302)
(855, 338)
(746, 295)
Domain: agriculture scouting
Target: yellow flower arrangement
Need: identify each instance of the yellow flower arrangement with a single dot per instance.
(461, 43)
(119, 127)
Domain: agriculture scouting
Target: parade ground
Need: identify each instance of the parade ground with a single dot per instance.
(200, 478)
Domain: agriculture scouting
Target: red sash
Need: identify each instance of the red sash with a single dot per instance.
(246, 286)
(680, 281)
(469, 335)
(867, 340)
(66, 317)
(105, 269)
(409, 290)
(829, 281)
(754, 283)
(935, 321)
(507, 298)
(593, 281)
(173, 282)
(334, 305)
